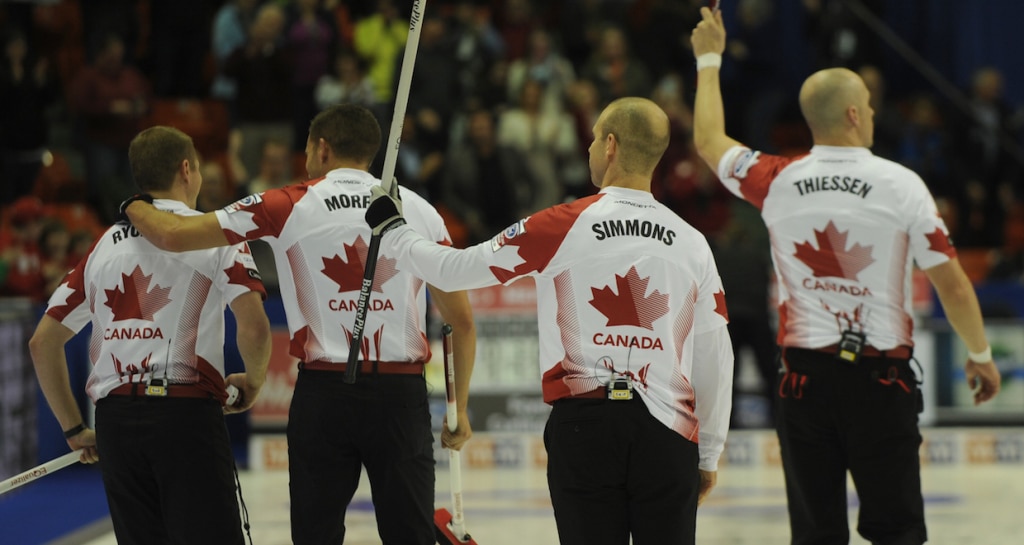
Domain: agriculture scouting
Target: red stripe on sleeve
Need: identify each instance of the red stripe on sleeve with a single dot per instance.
(758, 179)
(541, 236)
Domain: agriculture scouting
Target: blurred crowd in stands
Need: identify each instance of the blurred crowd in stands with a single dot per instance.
(498, 122)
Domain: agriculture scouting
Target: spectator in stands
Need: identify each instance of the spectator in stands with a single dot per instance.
(580, 24)
(982, 160)
(54, 247)
(78, 246)
(838, 37)
(584, 107)
(755, 64)
(923, 146)
(275, 169)
(379, 39)
(214, 193)
(544, 64)
(492, 90)
(21, 272)
(888, 119)
(681, 180)
(1008, 265)
(312, 38)
(27, 88)
(614, 70)
(421, 160)
(478, 46)
(348, 83)
(177, 47)
(486, 185)
(263, 71)
(105, 17)
(435, 81)
(230, 31)
(653, 29)
(547, 141)
(108, 99)
(515, 22)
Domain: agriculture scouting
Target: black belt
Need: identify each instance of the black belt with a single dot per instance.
(173, 390)
(368, 367)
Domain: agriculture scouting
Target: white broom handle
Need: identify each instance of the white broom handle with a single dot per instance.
(387, 181)
(40, 471)
(412, 44)
(454, 461)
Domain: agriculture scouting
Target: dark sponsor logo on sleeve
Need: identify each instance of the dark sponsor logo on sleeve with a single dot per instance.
(244, 202)
(511, 232)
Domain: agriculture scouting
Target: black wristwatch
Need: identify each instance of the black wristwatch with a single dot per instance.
(68, 434)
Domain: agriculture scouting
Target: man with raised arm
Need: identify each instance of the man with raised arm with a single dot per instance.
(846, 228)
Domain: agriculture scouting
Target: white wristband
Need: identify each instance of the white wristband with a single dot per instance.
(985, 356)
(709, 60)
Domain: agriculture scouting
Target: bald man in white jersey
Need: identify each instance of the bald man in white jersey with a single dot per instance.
(157, 354)
(635, 354)
(382, 421)
(845, 229)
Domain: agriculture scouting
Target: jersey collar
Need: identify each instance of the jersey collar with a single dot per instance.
(635, 194)
(851, 151)
(170, 205)
(353, 174)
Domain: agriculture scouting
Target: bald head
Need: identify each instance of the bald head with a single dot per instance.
(641, 129)
(826, 98)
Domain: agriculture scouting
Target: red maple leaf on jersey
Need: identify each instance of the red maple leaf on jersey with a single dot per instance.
(939, 241)
(720, 307)
(632, 305)
(833, 258)
(137, 300)
(348, 272)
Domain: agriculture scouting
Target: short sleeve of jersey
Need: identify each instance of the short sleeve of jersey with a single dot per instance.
(929, 238)
(259, 215)
(240, 273)
(748, 174)
(67, 304)
(711, 310)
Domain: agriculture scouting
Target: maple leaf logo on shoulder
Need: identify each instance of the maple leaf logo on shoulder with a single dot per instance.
(632, 305)
(938, 241)
(137, 301)
(347, 272)
(832, 257)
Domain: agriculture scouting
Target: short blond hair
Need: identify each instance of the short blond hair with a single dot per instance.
(639, 132)
(155, 155)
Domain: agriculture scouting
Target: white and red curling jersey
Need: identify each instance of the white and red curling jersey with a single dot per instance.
(624, 286)
(320, 240)
(154, 313)
(845, 228)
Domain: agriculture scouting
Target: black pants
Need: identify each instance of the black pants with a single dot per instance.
(615, 471)
(834, 417)
(168, 471)
(382, 423)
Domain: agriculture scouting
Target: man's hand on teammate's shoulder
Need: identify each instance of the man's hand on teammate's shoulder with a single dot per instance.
(385, 210)
(122, 211)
